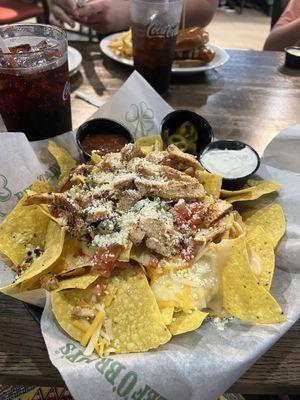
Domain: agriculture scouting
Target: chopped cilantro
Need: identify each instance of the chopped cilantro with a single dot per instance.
(89, 182)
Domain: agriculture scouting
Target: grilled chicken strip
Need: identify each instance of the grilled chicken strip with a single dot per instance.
(174, 158)
(170, 190)
(67, 208)
(178, 157)
(134, 196)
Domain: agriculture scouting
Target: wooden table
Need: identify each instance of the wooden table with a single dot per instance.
(251, 99)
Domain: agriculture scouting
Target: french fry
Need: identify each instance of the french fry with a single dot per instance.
(122, 45)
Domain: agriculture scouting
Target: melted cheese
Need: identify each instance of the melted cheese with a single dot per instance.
(196, 286)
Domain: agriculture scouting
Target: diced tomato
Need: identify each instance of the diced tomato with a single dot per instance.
(188, 216)
(181, 213)
(153, 262)
(105, 259)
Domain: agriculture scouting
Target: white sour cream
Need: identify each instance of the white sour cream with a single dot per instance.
(229, 163)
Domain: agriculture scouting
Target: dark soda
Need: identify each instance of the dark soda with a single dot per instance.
(153, 56)
(34, 81)
(155, 27)
(36, 103)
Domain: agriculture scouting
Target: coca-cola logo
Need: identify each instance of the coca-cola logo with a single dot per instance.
(165, 31)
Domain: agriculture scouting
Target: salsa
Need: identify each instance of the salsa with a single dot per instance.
(104, 143)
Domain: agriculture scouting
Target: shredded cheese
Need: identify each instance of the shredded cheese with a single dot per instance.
(99, 347)
(106, 337)
(99, 317)
(91, 346)
(80, 326)
(109, 299)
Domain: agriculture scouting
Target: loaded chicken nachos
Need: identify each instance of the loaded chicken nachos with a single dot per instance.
(138, 246)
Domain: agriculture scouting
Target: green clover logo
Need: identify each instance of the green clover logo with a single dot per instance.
(5, 193)
(142, 117)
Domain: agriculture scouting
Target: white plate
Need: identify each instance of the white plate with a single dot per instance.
(220, 58)
(75, 60)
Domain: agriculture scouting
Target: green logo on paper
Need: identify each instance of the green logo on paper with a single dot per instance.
(124, 383)
(142, 117)
(5, 193)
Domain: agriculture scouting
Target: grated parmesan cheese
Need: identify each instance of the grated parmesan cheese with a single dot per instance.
(220, 323)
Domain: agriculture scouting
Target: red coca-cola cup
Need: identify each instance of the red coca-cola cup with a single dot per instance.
(155, 25)
(34, 80)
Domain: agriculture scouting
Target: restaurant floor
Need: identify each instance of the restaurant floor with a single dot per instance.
(252, 26)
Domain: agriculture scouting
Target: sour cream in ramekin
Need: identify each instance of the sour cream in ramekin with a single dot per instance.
(233, 160)
(230, 163)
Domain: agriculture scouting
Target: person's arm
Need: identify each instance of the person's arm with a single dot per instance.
(200, 12)
(107, 16)
(283, 35)
(62, 11)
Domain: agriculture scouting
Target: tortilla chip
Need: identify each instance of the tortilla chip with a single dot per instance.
(78, 282)
(63, 303)
(261, 246)
(270, 218)
(258, 189)
(141, 254)
(237, 227)
(125, 254)
(73, 272)
(41, 187)
(190, 171)
(183, 323)
(229, 193)
(73, 257)
(77, 180)
(167, 314)
(212, 183)
(28, 285)
(25, 227)
(137, 324)
(150, 143)
(52, 250)
(95, 158)
(219, 314)
(241, 197)
(238, 218)
(242, 296)
(65, 162)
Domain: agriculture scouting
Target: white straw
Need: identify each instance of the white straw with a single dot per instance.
(3, 46)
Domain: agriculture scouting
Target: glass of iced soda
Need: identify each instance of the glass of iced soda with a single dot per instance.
(34, 80)
(155, 25)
